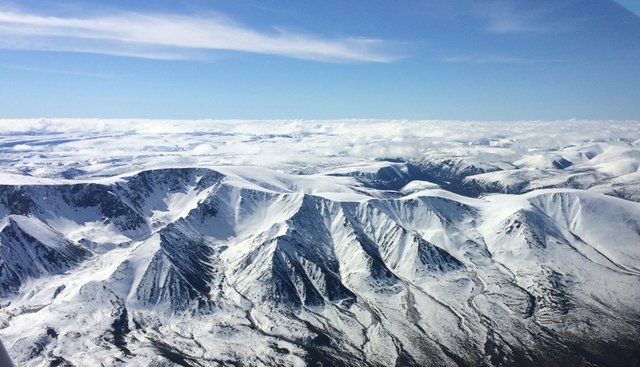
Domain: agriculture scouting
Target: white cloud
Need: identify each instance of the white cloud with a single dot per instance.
(56, 71)
(496, 59)
(203, 149)
(511, 17)
(485, 60)
(24, 148)
(110, 147)
(166, 36)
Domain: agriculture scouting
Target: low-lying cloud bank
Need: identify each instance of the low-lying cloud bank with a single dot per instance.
(48, 147)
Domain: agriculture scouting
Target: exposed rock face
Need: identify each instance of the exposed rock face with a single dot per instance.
(197, 267)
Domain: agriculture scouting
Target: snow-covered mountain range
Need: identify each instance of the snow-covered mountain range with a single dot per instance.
(355, 243)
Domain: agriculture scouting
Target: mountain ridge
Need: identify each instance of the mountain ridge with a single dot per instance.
(320, 269)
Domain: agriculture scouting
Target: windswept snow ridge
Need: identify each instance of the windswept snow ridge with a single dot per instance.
(506, 249)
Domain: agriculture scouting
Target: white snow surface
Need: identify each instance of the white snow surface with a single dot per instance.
(350, 242)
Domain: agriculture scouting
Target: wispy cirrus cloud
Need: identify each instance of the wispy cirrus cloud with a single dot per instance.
(169, 36)
(56, 71)
(484, 60)
(502, 16)
(496, 59)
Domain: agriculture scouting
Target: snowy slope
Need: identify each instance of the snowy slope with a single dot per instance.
(479, 250)
(206, 260)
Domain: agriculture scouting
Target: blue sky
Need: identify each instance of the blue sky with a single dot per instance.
(448, 59)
